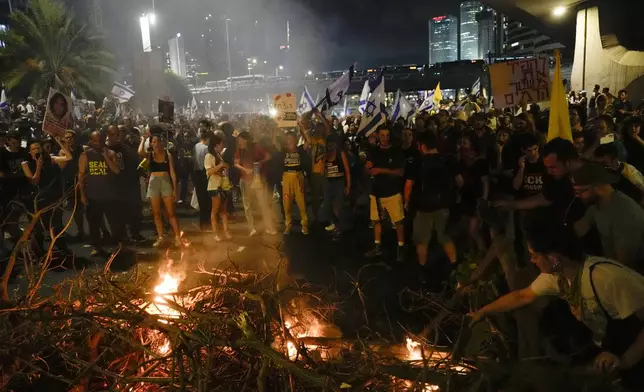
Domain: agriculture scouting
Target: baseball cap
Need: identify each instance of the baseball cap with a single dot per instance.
(593, 173)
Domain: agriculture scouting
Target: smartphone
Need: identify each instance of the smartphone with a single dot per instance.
(38, 155)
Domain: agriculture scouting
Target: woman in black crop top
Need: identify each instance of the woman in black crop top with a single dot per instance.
(162, 187)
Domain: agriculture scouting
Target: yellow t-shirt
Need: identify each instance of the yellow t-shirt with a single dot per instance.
(318, 154)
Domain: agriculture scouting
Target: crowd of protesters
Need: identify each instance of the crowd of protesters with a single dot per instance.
(459, 178)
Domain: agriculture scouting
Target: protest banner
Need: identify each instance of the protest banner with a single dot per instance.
(166, 111)
(285, 110)
(520, 81)
(58, 114)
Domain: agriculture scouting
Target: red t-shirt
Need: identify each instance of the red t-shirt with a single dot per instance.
(248, 157)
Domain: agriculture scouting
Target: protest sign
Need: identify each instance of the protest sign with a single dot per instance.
(520, 81)
(285, 110)
(166, 111)
(58, 114)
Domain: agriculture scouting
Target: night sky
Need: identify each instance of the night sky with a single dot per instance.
(326, 35)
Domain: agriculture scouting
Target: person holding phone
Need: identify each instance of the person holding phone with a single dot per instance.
(43, 171)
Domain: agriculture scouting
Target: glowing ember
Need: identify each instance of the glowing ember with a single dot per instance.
(165, 349)
(314, 329)
(169, 285)
(413, 350)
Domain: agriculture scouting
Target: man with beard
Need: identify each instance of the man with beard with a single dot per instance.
(127, 182)
(617, 217)
(98, 169)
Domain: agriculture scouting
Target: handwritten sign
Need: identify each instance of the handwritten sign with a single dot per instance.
(58, 114)
(520, 81)
(285, 110)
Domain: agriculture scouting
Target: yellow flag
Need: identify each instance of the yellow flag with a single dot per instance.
(559, 125)
(438, 94)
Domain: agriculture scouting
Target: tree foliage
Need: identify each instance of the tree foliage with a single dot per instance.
(46, 46)
(177, 88)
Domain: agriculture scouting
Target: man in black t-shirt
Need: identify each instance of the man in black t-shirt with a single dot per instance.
(386, 165)
(528, 180)
(429, 189)
(560, 158)
(128, 181)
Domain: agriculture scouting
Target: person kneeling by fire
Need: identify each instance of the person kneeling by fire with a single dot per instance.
(603, 294)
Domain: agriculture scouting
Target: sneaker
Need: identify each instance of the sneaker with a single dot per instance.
(375, 252)
(330, 227)
(227, 235)
(400, 253)
(253, 233)
(287, 230)
(305, 230)
(271, 232)
(337, 236)
(217, 238)
(158, 242)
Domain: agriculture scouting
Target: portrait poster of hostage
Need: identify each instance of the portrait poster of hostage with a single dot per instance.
(58, 114)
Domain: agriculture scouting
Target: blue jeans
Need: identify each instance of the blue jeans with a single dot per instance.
(333, 200)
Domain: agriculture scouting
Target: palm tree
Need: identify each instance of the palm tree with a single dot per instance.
(46, 46)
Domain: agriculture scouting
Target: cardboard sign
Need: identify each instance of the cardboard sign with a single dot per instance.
(166, 111)
(285, 110)
(58, 114)
(520, 81)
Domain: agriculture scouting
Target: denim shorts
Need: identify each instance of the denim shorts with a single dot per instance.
(160, 186)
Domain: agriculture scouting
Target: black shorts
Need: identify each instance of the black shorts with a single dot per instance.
(219, 193)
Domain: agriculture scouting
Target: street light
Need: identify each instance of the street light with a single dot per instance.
(558, 11)
(152, 18)
(254, 61)
(310, 73)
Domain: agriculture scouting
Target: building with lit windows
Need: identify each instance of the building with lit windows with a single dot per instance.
(491, 33)
(177, 56)
(469, 35)
(443, 39)
(521, 40)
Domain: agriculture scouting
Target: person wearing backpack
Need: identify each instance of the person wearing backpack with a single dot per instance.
(605, 295)
(430, 190)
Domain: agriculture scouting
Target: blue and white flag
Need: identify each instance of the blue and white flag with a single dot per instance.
(336, 91)
(402, 107)
(76, 110)
(374, 112)
(476, 88)
(345, 109)
(4, 105)
(364, 96)
(220, 110)
(122, 92)
(431, 100)
(306, 102)
(193, 107)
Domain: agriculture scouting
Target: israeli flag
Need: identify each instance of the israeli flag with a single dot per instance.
(4, 105)
(76, 110)
(345, 110)
(428, 103)
(375, 113)
(476, 88)
(122, 92)
(306, 102)
(193, 107)
(336, 91)
(364, 96)
(221, 108)
(402, 107)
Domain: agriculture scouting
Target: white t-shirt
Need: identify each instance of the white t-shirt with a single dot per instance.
(214, 181)
(620, 290)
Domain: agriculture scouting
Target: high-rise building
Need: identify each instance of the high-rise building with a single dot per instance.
(177, 55)
(443, 39)
(521, 40)
(490, 33)
(469, 36)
